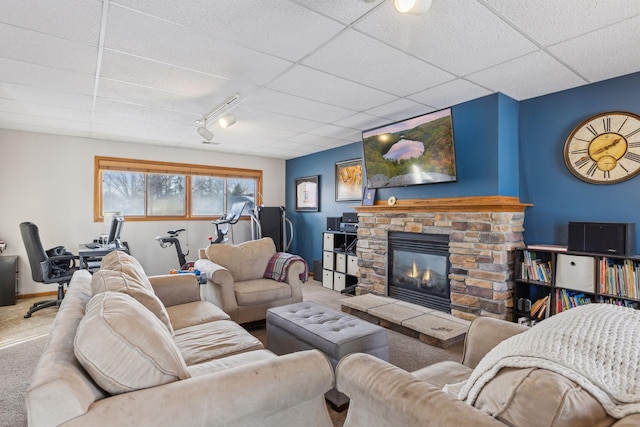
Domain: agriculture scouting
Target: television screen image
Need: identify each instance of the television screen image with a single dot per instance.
(414, 151)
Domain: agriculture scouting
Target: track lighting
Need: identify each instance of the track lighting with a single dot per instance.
(413, 7)
(205, 133)
(226, 120)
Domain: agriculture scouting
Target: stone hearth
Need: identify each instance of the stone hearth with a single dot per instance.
(483, 232)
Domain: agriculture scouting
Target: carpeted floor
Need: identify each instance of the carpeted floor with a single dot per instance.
(19, 361)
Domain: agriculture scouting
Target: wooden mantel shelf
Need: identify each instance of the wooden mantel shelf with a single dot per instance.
(450, 204)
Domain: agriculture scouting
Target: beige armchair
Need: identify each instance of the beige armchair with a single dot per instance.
(236, 278)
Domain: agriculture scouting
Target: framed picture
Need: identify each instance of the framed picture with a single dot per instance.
(369, 197)
(349, 180)
(307, 194)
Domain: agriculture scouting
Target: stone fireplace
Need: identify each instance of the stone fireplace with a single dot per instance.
(482, 234)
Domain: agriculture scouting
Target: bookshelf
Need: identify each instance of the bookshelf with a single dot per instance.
(549, 280)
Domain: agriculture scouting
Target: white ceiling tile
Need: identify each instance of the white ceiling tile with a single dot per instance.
(329, 89)
(264, 118)
(37, 48)
(77, 20)
(359, 58)
(338, 132)
(474, 37)
(552, 21)
(141, 35)
(120, 109)
(165, 77)
(282, 103)
(55, 125)
(400, 109)
(45, 77)
(360, 121)
(44, 96)
(603, 54)
(277, 27)
(344, 11)
(318, 141)
(528, 76)
(43, 111)
(450, 94)
(244, 130)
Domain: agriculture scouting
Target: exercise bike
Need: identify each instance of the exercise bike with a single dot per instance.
(172, 239)
(226, 222)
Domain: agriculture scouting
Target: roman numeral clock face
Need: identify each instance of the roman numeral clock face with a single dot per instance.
(605, 148)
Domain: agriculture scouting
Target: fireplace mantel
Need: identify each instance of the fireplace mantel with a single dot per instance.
(450, 204)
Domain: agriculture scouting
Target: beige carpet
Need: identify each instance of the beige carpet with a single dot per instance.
(19, 360)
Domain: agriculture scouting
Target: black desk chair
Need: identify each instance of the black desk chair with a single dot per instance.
(46, 266)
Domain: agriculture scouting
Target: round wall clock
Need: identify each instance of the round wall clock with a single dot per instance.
(605, 148)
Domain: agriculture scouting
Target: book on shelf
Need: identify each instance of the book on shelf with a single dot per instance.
(533, 268)
(619, 278)
(545, 247)
(567, 299)
(540, 308)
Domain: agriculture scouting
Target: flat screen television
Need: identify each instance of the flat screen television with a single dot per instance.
(419, 150)
(115, 230)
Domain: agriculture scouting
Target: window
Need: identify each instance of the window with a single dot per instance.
(141, 189)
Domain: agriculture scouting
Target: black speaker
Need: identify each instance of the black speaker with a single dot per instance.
(613, 238)
(333, 223)
(349, 217)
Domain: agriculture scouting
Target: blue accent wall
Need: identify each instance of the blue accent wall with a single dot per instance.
(557, 195)
(506, 148)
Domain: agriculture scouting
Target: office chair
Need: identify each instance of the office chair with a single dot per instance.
(45, 268)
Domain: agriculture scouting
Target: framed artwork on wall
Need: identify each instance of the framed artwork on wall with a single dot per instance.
(369, 197)
(307, 199)
(349, 180)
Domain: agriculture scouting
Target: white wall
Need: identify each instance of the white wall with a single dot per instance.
(48, 180)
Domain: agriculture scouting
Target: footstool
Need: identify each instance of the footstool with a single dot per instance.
(307, 325)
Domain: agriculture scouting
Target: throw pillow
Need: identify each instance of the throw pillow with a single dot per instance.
(124, 347)
(117, 281)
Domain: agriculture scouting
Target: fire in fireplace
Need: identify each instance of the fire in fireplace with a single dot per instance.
(418, 269)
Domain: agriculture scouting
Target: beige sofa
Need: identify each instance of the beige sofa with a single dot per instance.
(384, 395)
(165, 358)
(236, 279)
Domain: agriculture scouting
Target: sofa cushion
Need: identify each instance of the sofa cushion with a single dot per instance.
(194, 313)
(124, 347)
(442, 373)
(538, 397)
(208, 341)
(234, 361)
(118, 281)
(245, 261)
(260, 291)
(122, 261)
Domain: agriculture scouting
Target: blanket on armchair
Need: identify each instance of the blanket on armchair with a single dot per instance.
(278, 265)
(596, 345)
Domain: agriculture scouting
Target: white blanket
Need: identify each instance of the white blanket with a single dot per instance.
(596, 345)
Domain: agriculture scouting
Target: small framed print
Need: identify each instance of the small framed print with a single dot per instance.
(349, 180)
(307, 194)
(369, 197)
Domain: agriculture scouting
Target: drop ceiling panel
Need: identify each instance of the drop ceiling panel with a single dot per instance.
(610, 52)
(474, 37)
(261, 118)
(147, 37)
(38, 111)
(56, 126)
(37, 48)
(528, 76)
(277, 27)
(120, 109)
(361, 121)
(45, 77)
(552, 21)
(318, 141)
(45, 96)
(282, 103)
(338, 132)
(166, 77)
(77, 20)
(450, 94)
(344, 11)
(359, 58)
(400, 109)
(329, 89)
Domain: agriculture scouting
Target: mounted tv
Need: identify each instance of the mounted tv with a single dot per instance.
(414, 151)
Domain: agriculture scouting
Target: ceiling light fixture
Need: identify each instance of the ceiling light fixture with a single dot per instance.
(413, 7)
(220, 108)
(226, 120)
(205, 133)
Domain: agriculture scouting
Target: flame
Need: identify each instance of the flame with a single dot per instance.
(414, 272)
(426, 276)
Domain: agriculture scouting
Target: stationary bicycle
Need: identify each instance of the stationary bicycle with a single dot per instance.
(172, 239)
(226, 222)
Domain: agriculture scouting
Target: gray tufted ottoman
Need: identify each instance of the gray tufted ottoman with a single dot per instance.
(307, 325)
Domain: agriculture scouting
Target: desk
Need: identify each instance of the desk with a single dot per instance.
(91, 256)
